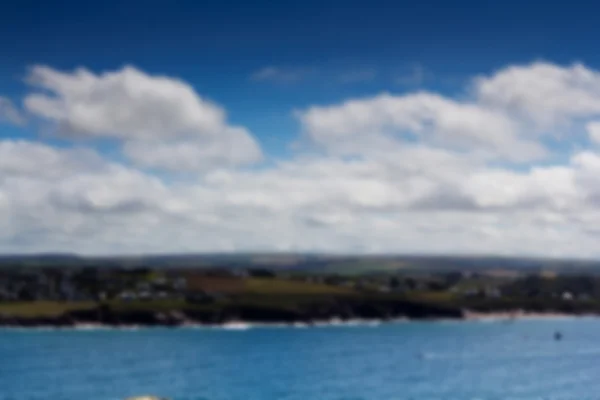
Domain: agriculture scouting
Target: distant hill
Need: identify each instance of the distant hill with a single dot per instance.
(314, 263)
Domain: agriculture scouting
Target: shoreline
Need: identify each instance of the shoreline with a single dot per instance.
(242, 325)
(230, 326)
(522, 315)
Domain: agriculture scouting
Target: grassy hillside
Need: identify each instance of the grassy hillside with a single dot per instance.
(263, 291)
(43, 308)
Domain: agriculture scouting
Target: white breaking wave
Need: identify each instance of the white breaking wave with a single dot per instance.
(236, 326)
(229, 326)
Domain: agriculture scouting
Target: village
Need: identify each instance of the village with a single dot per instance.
(97, 284)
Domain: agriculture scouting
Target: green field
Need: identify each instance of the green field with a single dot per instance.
(265, 291)
(43, 308)
(284, 286)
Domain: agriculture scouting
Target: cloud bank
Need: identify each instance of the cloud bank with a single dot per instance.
(509, 166)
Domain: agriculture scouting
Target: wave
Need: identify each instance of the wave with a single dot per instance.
(77, 327)
(236, 326)
(228, 326)
(334, 322)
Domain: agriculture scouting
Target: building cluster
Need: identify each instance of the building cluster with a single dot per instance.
(87, 284)
(25, 283)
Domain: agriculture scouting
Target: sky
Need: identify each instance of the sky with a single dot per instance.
(130, 127)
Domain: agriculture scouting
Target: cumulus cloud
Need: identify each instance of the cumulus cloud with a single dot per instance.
(125, 104)
(9, 113)
(409, 173)
(593, 130)
(544, 93)
(315, 204)
(385, 121)
(144, 111)
(235, 147)
(21, 158)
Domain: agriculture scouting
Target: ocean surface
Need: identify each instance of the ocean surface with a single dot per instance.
(405, 360)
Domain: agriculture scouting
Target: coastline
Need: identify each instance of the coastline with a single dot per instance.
(521, 314)
(241, 325)
(338, 310)
(229, 326)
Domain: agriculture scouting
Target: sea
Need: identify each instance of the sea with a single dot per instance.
(444, 360)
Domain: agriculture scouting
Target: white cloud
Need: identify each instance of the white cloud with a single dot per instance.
(9, 113)
(386, 121)
(125, 104)
(426, 200)
(547, 94)
(21, 158)
(416, 173)
(282, 74)
(235, 147)
(503, 115)
(593, 129)
(550, 188)
(147, 112)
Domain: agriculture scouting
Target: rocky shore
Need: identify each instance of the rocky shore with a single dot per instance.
(315, 313)
(308, 314)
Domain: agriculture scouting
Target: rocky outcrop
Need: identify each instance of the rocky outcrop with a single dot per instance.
(343, 309)
(32, 322)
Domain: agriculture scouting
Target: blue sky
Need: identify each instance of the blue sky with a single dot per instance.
(217, 45)
(380, 126)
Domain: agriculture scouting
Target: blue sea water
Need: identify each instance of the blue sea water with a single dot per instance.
(424, 361)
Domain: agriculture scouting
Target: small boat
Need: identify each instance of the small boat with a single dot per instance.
(557, 336)
(146, 398)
